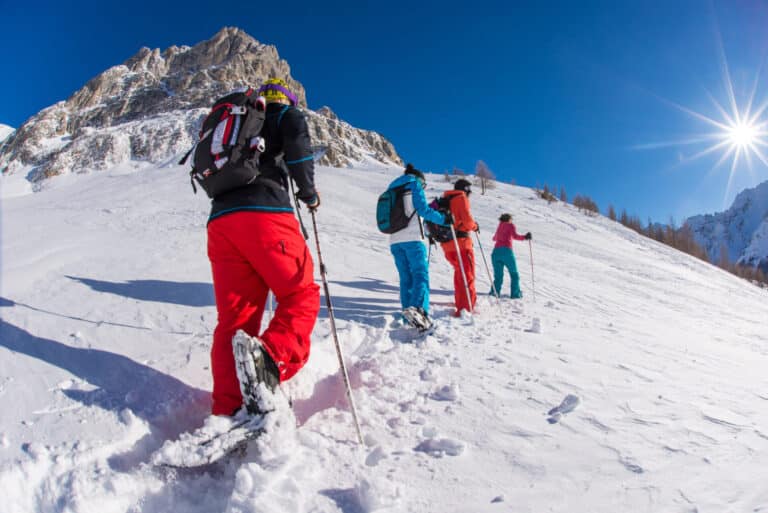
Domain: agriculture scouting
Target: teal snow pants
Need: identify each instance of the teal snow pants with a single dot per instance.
(413, 268)
(505, 258)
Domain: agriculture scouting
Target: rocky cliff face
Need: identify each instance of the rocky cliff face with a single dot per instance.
(150, 108)
(742, 230)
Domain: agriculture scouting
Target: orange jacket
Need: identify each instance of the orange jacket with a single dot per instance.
(462, 220)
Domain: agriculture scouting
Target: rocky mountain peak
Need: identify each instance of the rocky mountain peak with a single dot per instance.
(327, 112)
(741, 231)
(149, 108)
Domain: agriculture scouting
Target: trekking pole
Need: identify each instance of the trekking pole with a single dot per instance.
(268, 310)
(461, 266)
(488, 270)
(533, 287)
(333, 330)
(298, 211)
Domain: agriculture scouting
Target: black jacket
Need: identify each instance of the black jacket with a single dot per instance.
(287, 146)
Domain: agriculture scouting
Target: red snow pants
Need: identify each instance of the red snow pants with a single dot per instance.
(459, 291)
(252, 253)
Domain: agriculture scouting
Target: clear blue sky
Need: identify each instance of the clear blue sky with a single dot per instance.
(573, 94)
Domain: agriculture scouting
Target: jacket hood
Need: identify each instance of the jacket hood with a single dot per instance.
(402, 180)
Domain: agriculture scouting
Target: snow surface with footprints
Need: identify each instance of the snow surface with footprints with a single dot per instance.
(635, 381)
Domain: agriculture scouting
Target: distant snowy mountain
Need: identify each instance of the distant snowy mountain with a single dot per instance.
(149, 110)
(742, 229)
(5, 131)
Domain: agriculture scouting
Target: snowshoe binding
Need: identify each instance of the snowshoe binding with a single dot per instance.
(418, 318)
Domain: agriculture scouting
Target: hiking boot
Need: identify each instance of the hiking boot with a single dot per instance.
(427, 319)
(255, 368)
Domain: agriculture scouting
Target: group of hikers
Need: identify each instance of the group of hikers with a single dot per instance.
(411, 256)
(256, 244)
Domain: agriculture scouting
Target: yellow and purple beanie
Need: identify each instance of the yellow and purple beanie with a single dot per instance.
(277, 89)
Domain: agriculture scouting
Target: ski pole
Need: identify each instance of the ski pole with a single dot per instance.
(461, 266)
(298, 211)
(488, 270)
(268, 310)
(333, 329)
(533, 287)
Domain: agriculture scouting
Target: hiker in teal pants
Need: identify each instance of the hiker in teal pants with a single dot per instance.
(503, 257)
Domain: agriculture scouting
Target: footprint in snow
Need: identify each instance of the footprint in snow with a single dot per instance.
(375, 456)
(437, 448)
(631, 466)
(446, 393)
(568, 404)
(428, 374)
(535, 326)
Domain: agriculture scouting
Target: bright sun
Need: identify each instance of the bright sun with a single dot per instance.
(740, 131)
(743, 134)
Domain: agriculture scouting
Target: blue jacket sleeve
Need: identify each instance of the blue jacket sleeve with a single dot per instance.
(421, 206)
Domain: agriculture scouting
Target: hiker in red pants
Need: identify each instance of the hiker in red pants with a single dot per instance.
(463, 223)
(255, 245)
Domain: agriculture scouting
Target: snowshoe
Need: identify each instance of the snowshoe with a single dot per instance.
(254, 367)
(418, 318)
(218, 438)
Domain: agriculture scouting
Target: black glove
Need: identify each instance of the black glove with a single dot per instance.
(313, 202)
(528, 236)
(448, 218)
(477, 228)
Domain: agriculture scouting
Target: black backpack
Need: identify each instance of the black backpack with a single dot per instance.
(227, 152)
(439, 232)
(390, 210)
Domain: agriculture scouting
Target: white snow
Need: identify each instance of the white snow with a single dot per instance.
(15, 184)
(757, 250)
(653, 363)
(5, 132)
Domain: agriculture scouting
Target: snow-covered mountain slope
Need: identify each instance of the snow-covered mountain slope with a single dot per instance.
(5, 131)
(741, 229)
(107, 316)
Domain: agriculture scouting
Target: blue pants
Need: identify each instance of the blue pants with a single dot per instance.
(413, 267)
(505, 258)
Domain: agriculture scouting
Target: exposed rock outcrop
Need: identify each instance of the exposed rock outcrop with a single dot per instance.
(150, 107)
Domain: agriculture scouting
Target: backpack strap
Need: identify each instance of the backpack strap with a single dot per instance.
(282, 113)
(414, 213)
(186, 155)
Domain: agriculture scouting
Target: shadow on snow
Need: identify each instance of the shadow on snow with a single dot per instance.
(173, 292)
(121, 383)
(364, 309)
(5, 302)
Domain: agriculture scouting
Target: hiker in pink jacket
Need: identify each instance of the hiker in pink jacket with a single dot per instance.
(503, 256)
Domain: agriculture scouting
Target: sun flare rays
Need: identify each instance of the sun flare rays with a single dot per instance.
(738, 132)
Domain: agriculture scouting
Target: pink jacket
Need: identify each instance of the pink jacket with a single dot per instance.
(504, 235)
